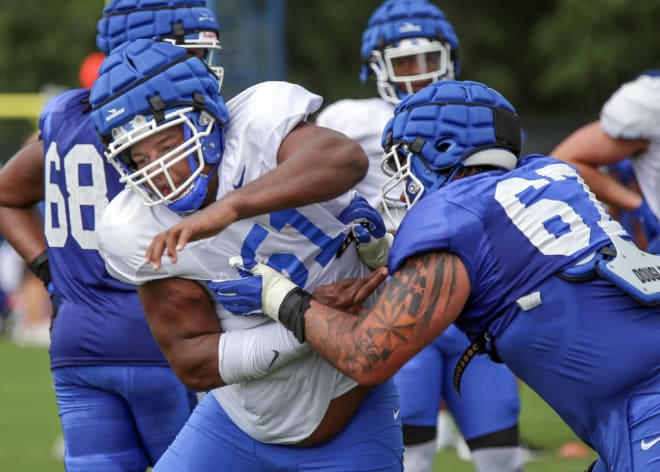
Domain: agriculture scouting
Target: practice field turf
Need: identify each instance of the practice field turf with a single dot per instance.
(29, 426)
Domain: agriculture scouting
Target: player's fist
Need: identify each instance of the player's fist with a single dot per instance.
(368, 228)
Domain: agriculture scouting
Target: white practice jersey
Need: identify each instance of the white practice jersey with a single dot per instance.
(633, 112)
(288, 405)
(363, 121)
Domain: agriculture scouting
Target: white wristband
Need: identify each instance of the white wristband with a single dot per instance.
(275, 287)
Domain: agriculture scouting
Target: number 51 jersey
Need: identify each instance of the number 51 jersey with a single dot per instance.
(307, 243)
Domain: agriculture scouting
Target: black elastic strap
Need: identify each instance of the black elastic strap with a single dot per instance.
(592, 466)
(418, 434)
(292, 312)
(41, 268)
(463, 362)
(507, 437)
(482, 345)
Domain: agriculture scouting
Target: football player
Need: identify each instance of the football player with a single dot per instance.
(119, 402)
(407, 45)
(518, 253)
(181, 150)
(627, 128)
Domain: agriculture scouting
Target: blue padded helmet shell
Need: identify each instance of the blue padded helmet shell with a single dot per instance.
(145, 87)
(454, 119)
(446, 126)
(136, 72)
(396, 20)
(128, 20)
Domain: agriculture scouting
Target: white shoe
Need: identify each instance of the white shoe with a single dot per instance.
(446, 436)
(462, 450)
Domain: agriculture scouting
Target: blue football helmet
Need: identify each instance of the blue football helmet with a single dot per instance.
(186, 23)
(441, 129)
(408, 44)
(146, 87)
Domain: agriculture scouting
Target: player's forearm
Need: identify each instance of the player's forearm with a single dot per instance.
(417, 304)
(608, 189)
(322, 170)
(23, 229)
(251, 354)
(340, 339)
(206, 361)
(194, 360)
(22, 178)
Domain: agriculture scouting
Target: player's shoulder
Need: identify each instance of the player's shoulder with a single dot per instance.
(123, 234)
(63, 102)
(640, 89)
(633, 109)
(268, 109)
(350, 113)
(63, 113)
(273, 97)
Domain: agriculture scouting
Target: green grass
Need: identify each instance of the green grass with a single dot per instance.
(29, 425)
(539, 425)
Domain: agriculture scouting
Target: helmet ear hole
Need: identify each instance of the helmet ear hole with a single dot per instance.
(443, 146)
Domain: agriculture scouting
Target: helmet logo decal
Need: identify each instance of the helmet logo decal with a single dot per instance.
(409, 28)
(206, 17)
(114, 113)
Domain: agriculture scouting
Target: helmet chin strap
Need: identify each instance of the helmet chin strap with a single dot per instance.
(193, 199)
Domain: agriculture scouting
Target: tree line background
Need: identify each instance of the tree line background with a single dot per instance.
(556, 60)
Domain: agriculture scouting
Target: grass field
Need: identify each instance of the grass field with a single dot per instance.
(29, 426)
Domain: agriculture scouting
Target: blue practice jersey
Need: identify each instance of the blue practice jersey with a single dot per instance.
(99, 319)
(512, 230)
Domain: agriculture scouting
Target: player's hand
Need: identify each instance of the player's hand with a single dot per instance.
(648, 221)
(372, 250)
(274, 286)
(368, 228)
(199, 225)
(241, 296)
(350, 294)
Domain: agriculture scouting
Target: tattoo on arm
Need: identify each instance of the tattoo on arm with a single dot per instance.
(421, 299)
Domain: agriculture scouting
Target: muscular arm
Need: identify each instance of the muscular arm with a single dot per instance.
(21, 188)
(23, 229)
(183, 321)
(22, 178)
(590, 147)
(417, 304)
(314, 164)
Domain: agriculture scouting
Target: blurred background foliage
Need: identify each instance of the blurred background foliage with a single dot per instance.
(551, 55)
(550, 58)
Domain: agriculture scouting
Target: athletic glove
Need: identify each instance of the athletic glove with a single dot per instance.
(240, 296)
(368, 228)
(281, 299)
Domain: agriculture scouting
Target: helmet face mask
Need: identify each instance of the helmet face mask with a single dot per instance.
(445, 127)
(405, 68)
(148, 87)
(157, 181)
(185, 23)
(409, 178)
(206, 46)
(410, 33)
